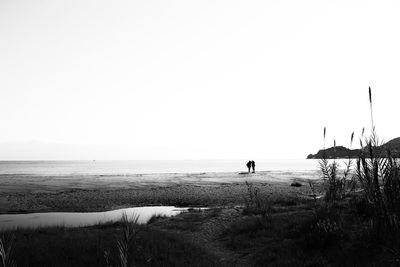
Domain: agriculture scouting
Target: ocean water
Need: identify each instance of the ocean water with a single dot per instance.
(133, 167)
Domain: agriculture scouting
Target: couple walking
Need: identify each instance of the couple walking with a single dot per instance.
(251, 164)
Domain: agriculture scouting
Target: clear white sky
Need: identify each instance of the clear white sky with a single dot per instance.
(186, 79)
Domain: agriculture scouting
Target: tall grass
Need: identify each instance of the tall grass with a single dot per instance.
(378, 173)
(338, 185)
(126, 243)
(6, 251)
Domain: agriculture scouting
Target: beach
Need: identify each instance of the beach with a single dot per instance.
(198, 231)
(206, 235)
(266, 218)
(38, 193)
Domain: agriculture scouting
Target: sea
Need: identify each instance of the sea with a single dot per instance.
(132, 167)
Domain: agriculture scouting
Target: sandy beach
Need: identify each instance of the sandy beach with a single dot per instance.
(20, 194)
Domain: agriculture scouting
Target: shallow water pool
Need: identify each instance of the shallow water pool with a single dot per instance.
(79, 219)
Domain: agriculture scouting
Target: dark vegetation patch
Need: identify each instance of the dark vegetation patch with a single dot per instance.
(61, 246)
(308, 237)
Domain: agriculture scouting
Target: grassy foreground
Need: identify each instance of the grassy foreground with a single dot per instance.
(89, 246)
(303, 233)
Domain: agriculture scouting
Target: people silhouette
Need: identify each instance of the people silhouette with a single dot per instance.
(248, 165)
(253, 166)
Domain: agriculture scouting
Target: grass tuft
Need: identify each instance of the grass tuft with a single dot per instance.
(126, 243)
(6, 252)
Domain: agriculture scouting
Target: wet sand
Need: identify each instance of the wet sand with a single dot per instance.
(24, 193)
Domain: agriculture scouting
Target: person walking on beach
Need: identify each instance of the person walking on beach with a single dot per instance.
(248, 165)
(253, 166)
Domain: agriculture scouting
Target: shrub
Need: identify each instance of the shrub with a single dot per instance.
(254, 204)
(337, 186)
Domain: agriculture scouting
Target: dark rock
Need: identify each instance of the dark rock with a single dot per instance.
(296, 184)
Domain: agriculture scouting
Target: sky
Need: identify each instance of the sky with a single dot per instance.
(184, 79)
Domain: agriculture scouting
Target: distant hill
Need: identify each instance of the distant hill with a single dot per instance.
(343, 152)
(394, 146)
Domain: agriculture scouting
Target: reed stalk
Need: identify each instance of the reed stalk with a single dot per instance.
(378, 173)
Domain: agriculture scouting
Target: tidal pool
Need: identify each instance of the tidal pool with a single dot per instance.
(79, 219)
